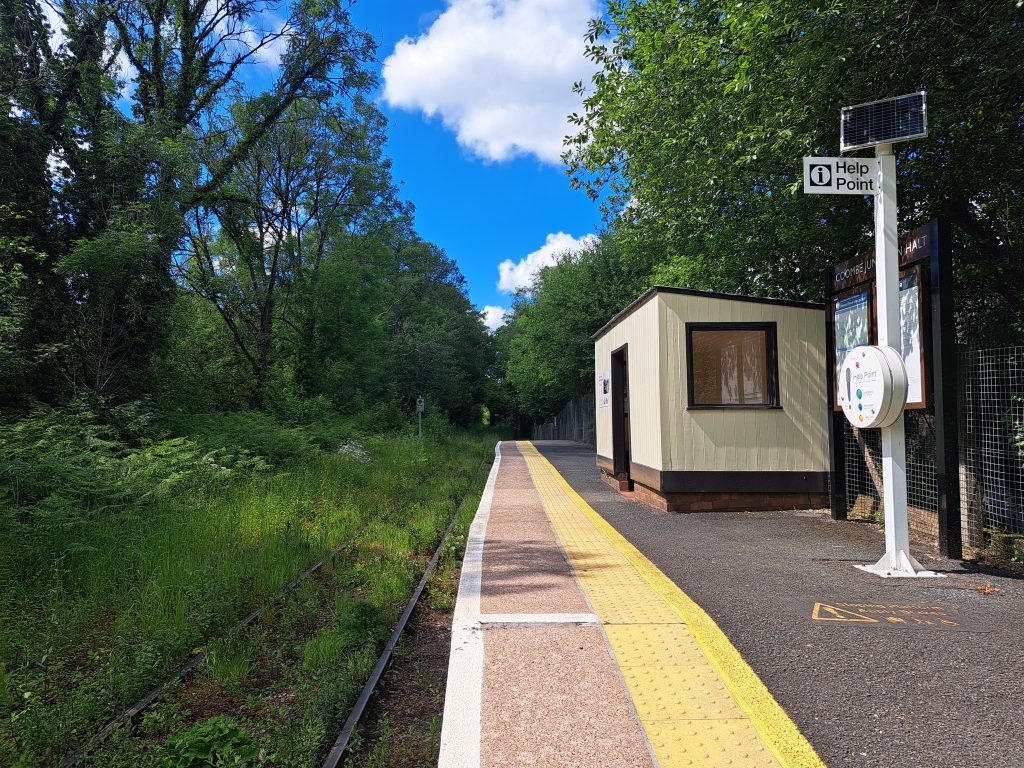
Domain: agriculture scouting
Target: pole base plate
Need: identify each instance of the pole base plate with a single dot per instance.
(900, 565)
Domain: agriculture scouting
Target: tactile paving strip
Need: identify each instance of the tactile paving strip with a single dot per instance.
(679, 692)
(708, 744)
(658, 645)
(682, 697)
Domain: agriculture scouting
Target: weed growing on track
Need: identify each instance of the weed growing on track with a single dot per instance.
(128, 539)
(403, 727)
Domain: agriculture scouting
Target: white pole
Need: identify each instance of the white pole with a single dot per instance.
(897, 560)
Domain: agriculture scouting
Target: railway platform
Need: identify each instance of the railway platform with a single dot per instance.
(592, 631)
(570, 648)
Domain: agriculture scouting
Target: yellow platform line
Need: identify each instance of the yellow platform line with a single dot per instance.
(699, 702)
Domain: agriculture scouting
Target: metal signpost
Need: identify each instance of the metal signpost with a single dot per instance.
(419, 413)
(880, 124)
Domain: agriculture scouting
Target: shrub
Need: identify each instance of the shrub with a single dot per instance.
(218, 742)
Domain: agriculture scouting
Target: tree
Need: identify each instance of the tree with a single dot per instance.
(92, 152)
(550, 352)
(164, 228)
(700, 113)
(55, 96)
(437, 341)
(315, 177)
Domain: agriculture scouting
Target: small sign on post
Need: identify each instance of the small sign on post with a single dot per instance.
(419, 413)
(841, 175)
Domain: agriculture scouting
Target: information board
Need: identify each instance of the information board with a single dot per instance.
(853, 305)
(604, 388)
(911, 336)
(851, 326)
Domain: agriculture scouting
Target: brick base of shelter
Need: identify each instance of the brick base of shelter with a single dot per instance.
(727, 502)
(618, 483)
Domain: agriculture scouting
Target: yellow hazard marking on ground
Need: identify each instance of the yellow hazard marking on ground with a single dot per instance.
(823, 612)
(900, 614)
(700, 703)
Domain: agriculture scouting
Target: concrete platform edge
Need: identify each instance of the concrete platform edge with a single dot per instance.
(460, 725)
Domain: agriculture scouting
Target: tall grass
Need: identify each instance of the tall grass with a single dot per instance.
(123, 548)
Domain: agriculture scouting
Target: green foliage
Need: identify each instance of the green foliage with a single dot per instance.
(60, 468)
(139, 536)
(197, 368)
(692, 135)
(118, 314)
(6, 691)
(219, 742)
(228, 660)
(700, 112)
(550, 355)
(163, 241)
(394, 322)
(24, 347)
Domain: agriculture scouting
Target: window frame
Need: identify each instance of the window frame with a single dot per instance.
(770, 329)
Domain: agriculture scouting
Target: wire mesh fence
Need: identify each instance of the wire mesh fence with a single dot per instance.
(991, 416)
(992, 443)
(863, 451)
(576, 421)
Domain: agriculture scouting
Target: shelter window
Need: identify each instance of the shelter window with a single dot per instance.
(732, 365)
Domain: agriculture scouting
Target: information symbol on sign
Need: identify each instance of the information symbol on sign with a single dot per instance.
(820, 175)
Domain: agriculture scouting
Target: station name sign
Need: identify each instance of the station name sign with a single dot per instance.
(841, 175)
(913, 247)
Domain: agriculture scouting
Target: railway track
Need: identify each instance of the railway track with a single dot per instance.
(340, 745)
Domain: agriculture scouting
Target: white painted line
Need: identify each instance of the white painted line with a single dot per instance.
(460, 726)
(585, 619)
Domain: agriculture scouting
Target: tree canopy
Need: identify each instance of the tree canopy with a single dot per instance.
(700, 114)
(169, 232)
(692, 134)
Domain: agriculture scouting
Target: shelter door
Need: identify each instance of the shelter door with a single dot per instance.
(621, 448)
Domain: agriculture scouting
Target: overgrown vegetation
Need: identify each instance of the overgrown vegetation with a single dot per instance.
(216, 315)
(402, 727)
(129, 539)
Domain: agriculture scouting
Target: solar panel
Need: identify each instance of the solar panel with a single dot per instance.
(883, 122)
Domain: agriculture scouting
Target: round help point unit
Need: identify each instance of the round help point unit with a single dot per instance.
(872, 386)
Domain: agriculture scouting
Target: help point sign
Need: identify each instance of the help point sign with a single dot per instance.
(841, 175)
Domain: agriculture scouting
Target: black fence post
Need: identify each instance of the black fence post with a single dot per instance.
(944, 393)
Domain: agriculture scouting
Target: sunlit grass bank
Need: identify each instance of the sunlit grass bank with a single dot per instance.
(129, 539)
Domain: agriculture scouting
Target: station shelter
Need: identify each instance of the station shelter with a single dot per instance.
(709, 401)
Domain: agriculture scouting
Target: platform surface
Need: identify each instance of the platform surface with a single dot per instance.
(571, 648)
(874, 672)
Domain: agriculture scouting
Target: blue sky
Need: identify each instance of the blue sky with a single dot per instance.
(476, 98)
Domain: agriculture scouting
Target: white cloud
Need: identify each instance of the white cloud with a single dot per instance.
(494, 317)
(243, 36)
(127, 74)
(499, 73)
(58, 30)
(514, 276)
(270, 55)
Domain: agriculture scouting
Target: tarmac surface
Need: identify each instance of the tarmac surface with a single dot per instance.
(921, 673)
